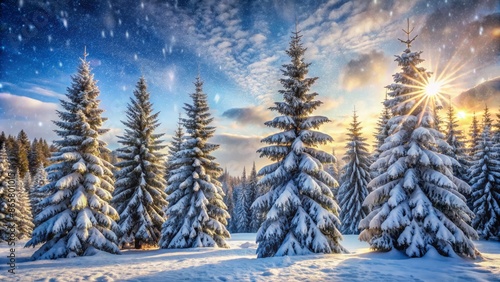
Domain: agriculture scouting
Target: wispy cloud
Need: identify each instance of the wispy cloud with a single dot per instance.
(249, 115)
(364, 70)
(45, 92)
(34, 116)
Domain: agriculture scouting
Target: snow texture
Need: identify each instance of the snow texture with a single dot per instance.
(239, 264)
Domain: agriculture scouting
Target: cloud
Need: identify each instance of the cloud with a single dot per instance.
(250, 115)
(366, 69)
(34, 116)
(238, 151)
(46, 92)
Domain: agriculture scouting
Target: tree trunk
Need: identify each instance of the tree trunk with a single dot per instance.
(138, 243)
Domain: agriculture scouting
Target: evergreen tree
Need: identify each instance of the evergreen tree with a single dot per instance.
(227, 188)
(138, 197)
(485, 183)
(76, 217)
(473, 135)
(36, 194)
(243, 212)
(355, 179)
(301, 211)
(234, 217)
(454, 139)
(487, 122)
(496, 131)
(21, 149)
(4, 177)
(416, 202)
(381, 133)
(175, 146)
(256, 217)
(196, 214)
(23, 219)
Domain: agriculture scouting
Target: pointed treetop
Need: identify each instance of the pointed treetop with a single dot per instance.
(408, 31)
(85, 54)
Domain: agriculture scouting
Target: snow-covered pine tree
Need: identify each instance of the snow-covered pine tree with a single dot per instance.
(485, 183)
(474, 134)
(454, 138)
(138, 197)
(36, 194)
(355, 179)
(381, 133)
(256, 217)
(4, 177)
(417, 205)
(243, 212)
(23, 219)
(196, 213)
(486, 121)
(174, 147)
(496, 131)
(27, 181)
(301, 211)
(77, 218)
(234, 218)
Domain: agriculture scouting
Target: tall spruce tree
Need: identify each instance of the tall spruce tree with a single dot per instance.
(138, 197)
(77, 218)
(485, 183)
(355, 179)
(301, 211)
(243, 204)
(196, 214)
(37, 195)
(381, 133)
(4, 208)
(23, 219)
(474, 134)
(20, 153)
(173, 149)
(416, 202)
(454, 138)
(253, 191)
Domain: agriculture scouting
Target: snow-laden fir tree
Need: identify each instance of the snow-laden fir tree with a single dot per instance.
(76, 217)
(474, 134)
(487, 121)
(454, 138)
(355, 179)
(36, 194)
(174, 147)
(4, 177)
(256, 217)
(23, 219)
(416, 203)
(138, 197)
(196, 213)
(242, 207)
(381, 133)
(485, 183)
(301, 212)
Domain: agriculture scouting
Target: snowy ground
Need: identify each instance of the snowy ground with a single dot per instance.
(239, 263)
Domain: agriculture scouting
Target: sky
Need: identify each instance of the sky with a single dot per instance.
(238, 48)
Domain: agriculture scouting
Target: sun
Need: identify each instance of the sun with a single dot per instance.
(432, 88)
(461, 115)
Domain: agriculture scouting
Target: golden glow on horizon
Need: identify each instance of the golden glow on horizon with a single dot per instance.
(461, 115)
